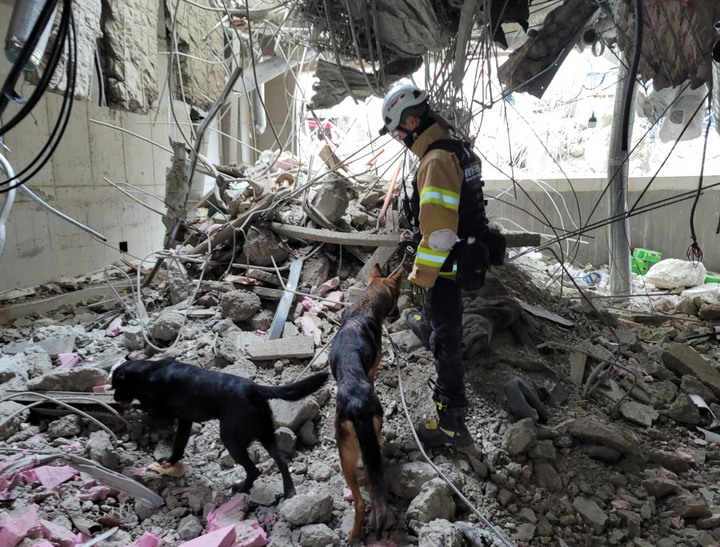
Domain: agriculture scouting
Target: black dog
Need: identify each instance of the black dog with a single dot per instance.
(171, 389)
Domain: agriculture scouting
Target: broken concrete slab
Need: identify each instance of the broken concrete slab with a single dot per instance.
(263, 245)
(299, 347)
(682, 359)
(578, 360)
(660, 487)
(591, 512)
(52, 346)
(592, 429)
(639, 413)
(74, 379)
(293, 414)
(16, 311)
(239, 305)
(12, 416)
(684, 411)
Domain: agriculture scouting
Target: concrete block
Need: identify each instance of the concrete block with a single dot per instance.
(268, 350)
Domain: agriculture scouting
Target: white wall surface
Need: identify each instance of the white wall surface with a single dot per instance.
(41, 247)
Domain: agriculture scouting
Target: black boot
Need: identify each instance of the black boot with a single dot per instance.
(447, 429)
(416, 321)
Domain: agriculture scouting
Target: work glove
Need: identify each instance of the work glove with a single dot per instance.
(419, 296)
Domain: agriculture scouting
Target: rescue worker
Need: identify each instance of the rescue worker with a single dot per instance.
(447, 209)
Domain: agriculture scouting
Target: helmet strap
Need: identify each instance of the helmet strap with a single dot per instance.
(411, 136)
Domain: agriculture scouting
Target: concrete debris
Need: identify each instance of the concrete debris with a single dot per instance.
(682, 359)
(262, 246)
(621, 465)
(433, 502)
(673, 273)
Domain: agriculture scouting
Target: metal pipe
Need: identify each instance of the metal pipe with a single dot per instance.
(619, 230)
(32, 195)
(715, 89)
(9, 200)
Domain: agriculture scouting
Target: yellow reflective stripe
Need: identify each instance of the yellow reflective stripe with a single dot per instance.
(440, 196)
(428, 257)
(450, 274)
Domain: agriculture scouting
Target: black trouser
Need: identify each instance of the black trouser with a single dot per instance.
(444, 312)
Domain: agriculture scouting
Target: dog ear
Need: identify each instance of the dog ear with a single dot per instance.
(375, 272)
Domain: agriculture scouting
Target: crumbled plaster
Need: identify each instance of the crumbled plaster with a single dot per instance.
(130, 53)
(87, 24)
(202, 82)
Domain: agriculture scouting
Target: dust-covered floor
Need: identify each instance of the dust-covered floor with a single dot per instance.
(605, 469)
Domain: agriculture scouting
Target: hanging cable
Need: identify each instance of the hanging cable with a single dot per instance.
(694, 252)
(66, 33)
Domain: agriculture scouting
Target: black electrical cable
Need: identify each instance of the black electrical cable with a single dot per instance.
(16, 70)
(694, 252)
(42, 86)
(632, 74)
(58, 130)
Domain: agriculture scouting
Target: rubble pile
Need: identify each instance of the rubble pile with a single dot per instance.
(595, 421)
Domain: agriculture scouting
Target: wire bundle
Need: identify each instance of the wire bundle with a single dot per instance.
(66, 34)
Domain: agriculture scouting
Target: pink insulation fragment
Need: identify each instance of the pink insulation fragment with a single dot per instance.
(309, 328)
(333, 300)
(114, 328)
(147, 540)
(57, 535)
(229, 512)
(311, 305)
(96, 493)
(19, 524)
(69, 360)
(224, 537)
(51, 476)
(328, 286)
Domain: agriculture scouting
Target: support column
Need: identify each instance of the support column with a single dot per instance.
(619, 230)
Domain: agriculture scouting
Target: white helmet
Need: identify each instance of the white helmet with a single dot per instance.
(397, 100)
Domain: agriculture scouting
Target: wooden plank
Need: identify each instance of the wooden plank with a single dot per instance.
(267, 293)
(361, 239)
(373, 239)
(46, 305)
(379, 257)
(70, 397)
(265, 277)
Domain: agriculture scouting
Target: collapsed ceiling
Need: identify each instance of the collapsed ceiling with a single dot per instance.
(368, 45)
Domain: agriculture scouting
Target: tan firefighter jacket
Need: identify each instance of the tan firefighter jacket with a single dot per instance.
(439, 179)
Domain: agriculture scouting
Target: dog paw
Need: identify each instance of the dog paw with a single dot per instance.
(240, 488)
(165, 468)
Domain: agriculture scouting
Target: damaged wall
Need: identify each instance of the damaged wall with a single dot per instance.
(666, 230)
(130, 53)
(40, 246)
(202, 82)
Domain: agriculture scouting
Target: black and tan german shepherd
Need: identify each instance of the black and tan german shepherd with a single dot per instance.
(354, 359)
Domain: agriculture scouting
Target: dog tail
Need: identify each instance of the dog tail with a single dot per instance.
(372, 459)
(296, 390)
